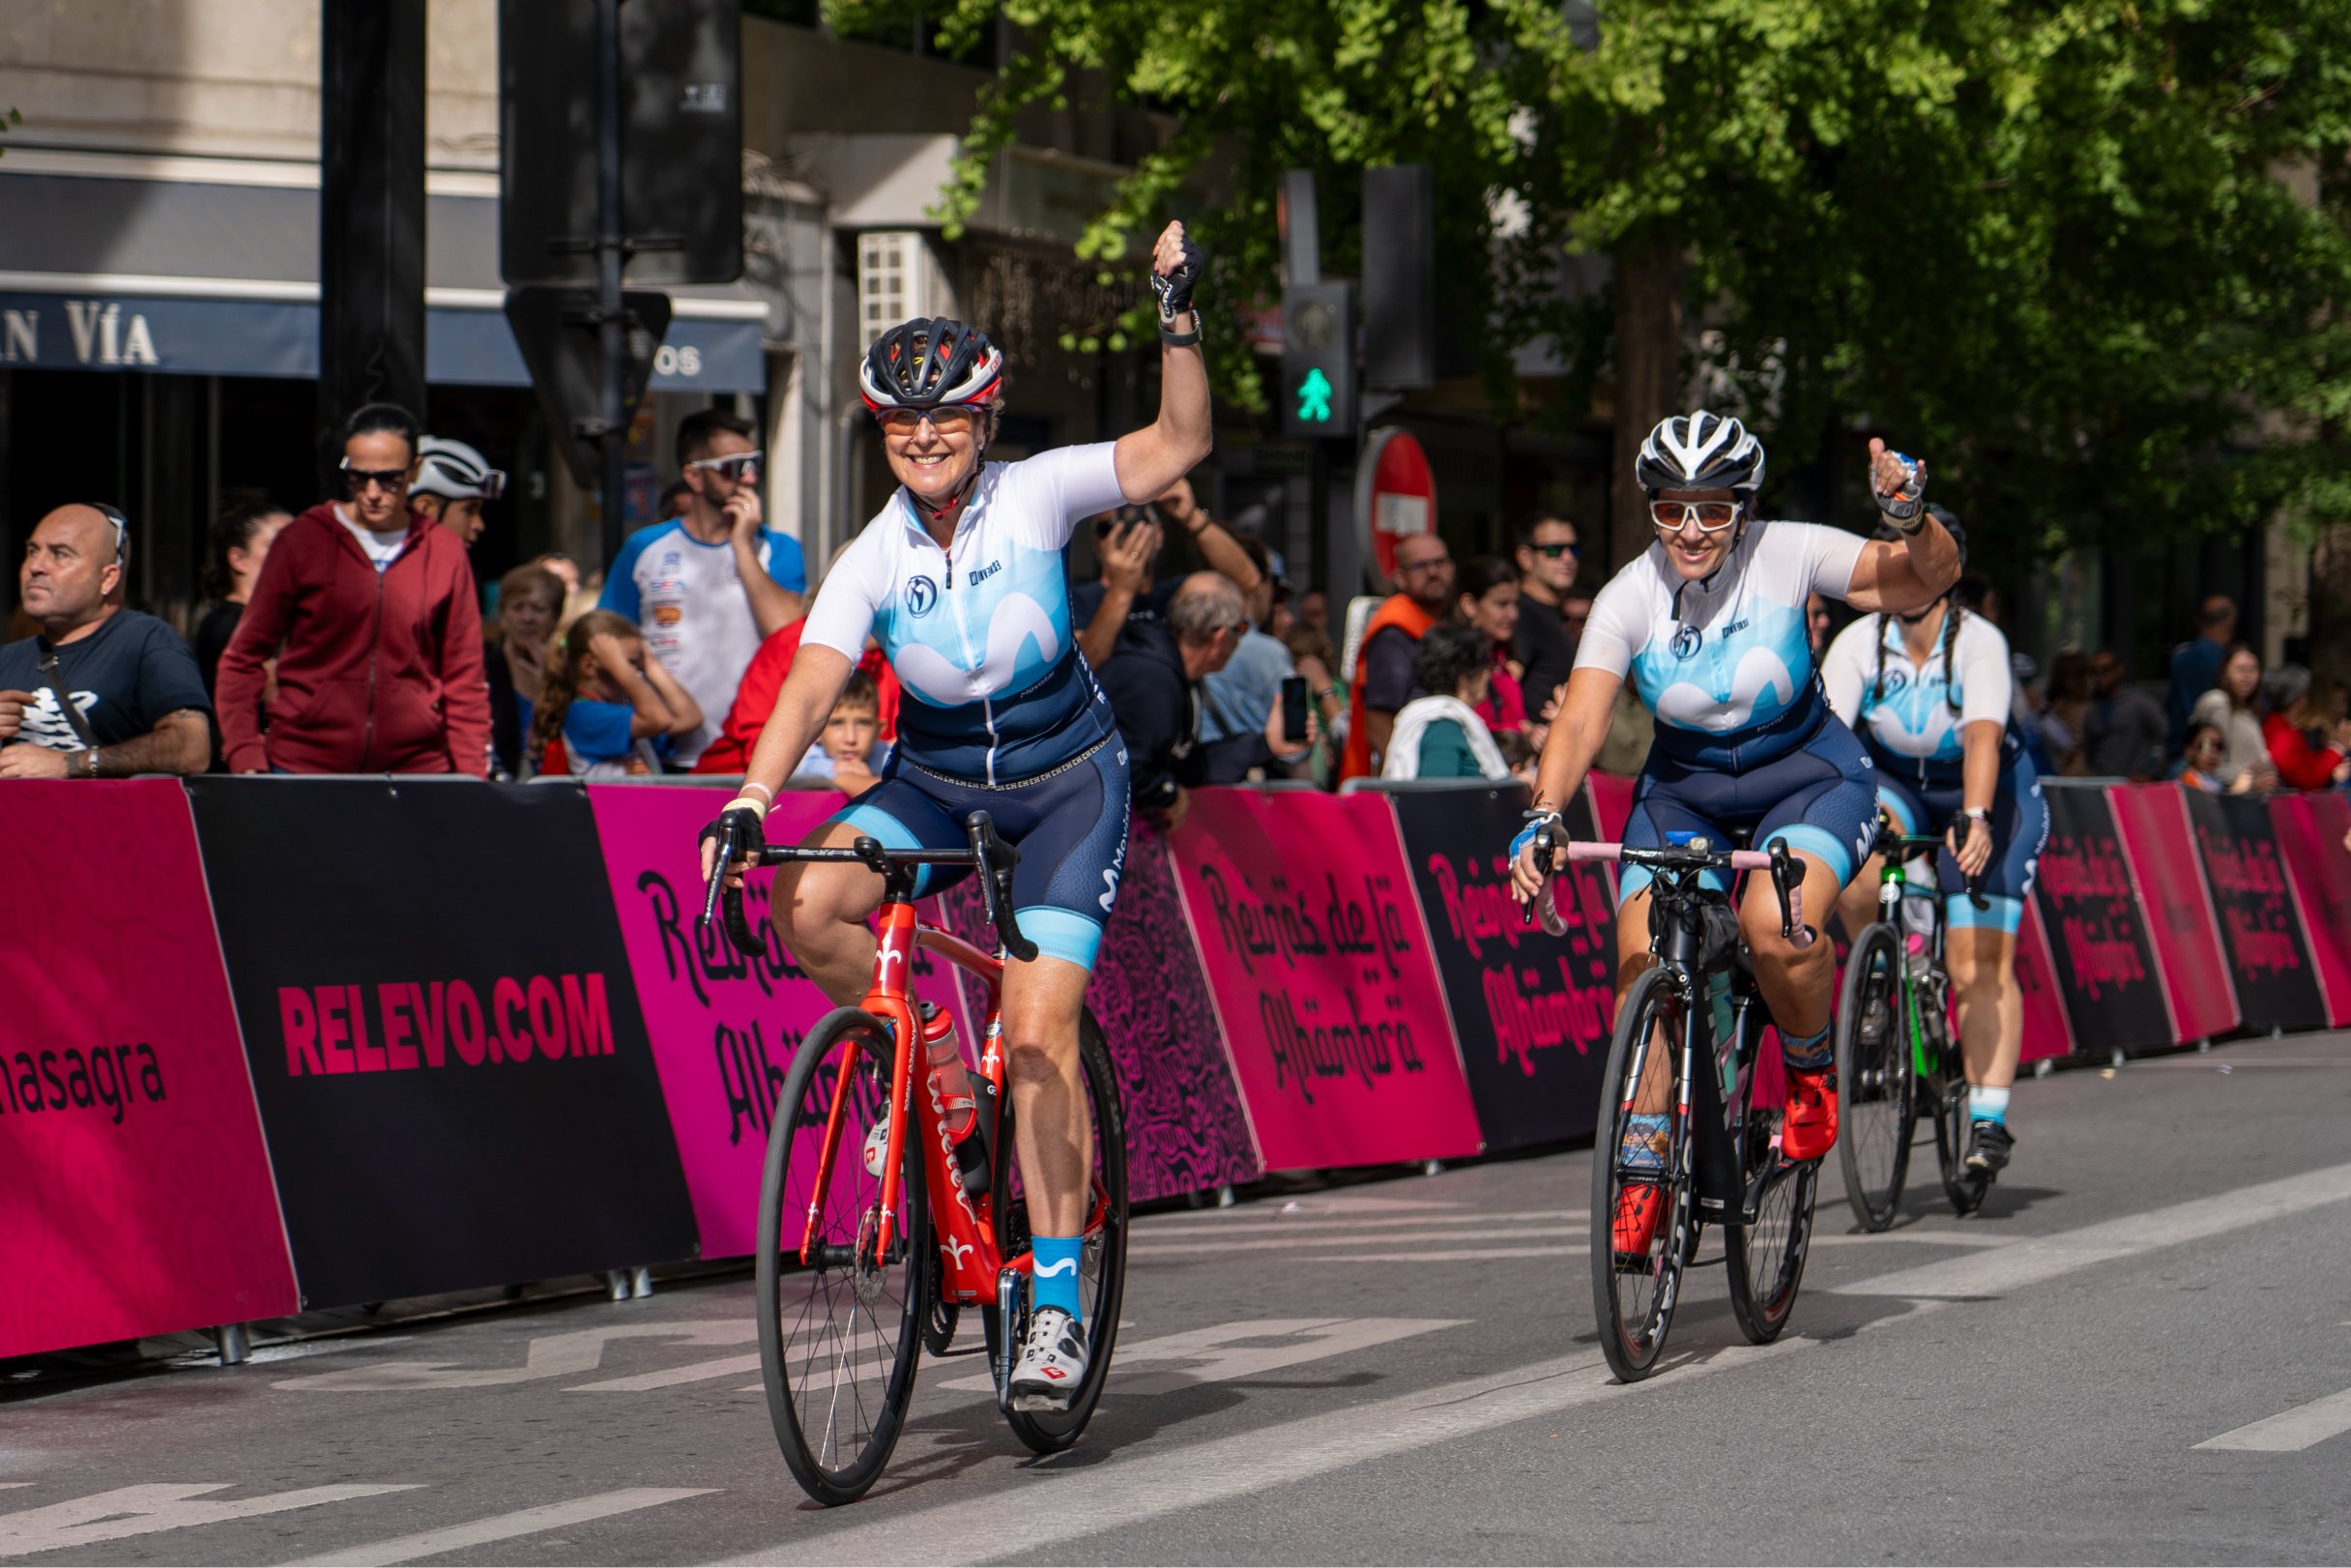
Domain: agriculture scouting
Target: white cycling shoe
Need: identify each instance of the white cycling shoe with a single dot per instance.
(1052, 1367)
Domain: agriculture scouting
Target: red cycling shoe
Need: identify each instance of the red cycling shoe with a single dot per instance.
(1637, 1206)
(1809, 1129)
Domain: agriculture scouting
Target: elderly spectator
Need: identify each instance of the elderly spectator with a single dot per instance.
(371, 613)
(2306, 731)
(530, 598)
(453, 482)
(1543, 642)
(1128, 542)
(1152, 680)
(100, 691)
(2197, 664)
(2123, 736)
(1444, 734)
(1238, 702)
(2232, 708)
(707, 587)
(1383, 669)
(240, 544)
(1488, 601)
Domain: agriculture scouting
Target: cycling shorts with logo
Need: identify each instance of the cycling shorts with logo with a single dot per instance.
(1069, 822)
(2019, 829)
(1818, 796)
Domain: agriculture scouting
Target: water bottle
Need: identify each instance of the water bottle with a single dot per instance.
(1918, 932)
(957, 1092)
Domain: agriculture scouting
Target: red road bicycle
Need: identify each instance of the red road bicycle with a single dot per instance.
(875, 1228)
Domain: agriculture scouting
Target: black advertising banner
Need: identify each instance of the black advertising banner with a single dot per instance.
(2268, 956)
(1533, 1011)
(443, 1035)
(2096, 931)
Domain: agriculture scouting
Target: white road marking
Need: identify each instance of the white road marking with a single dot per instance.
(2291, 1431)
(1582, 1249)
(551, 1355)
(1164, 1229)
(1139, 1248)
(2032, 1260)
(693, 1372)
(506, 1527)
(1223, 1354)
(148, 1510)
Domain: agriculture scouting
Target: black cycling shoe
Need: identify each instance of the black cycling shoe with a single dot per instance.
(1988, 1144)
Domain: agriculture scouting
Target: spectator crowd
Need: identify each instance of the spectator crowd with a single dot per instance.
(350, 638)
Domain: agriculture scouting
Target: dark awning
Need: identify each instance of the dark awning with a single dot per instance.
(208, 279)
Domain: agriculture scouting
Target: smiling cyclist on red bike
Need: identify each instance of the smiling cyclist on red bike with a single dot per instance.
(1709, 624)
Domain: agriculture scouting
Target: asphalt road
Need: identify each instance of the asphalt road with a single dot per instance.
(2138, 1352)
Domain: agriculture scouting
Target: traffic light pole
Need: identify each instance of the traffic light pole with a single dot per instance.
(611, 252)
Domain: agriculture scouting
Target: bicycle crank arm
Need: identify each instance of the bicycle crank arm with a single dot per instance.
(1011, 1330)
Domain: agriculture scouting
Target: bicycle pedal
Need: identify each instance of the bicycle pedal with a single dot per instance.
(1040, 1404)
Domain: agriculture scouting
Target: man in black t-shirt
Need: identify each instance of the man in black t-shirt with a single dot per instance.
(138, 701)
(1545, 644)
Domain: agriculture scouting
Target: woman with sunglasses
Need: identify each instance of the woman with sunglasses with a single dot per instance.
(370, 611)
(1709, 624)
(961, 579)
(1932, 697)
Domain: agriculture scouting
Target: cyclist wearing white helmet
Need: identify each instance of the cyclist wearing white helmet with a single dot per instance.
(1709, 624)
(452, 480)
(961, 578)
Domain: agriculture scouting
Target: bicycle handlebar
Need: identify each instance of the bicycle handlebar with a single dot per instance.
(1785, 880)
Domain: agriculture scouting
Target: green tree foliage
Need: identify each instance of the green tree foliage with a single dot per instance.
(2087, 256)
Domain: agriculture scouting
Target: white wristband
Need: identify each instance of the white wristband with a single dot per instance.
(757, 808)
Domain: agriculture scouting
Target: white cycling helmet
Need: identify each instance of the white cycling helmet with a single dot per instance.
(456, 471)
(1699, 451)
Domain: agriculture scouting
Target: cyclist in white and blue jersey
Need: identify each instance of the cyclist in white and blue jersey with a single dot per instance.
(1710, 625)
(961, 579)
(1931, 695)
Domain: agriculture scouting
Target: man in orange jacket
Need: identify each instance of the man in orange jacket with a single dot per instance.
(1383, 669)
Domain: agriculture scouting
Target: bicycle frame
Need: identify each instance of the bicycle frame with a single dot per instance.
(1714, 1131)
(1893, 881)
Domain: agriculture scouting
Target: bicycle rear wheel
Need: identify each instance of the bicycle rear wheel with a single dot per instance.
(1102, 1266)
(840, 1339)
(1765, 1258)
(1873, 1072)
(1633, 1297)
(1964, 1188)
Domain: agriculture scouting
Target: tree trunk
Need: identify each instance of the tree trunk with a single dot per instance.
(2329, 619)
(1649, 380)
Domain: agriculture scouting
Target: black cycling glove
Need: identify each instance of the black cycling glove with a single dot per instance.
(1175, 290)
(748, 841)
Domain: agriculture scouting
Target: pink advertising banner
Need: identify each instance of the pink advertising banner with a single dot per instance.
(724, 1028)
(2047, 1031)
(2310, 829)
(2153, 819)
(1303, 911)
(135, 1196)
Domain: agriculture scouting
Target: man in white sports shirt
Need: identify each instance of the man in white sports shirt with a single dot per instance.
(708, 586)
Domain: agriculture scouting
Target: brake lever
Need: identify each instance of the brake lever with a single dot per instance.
(996, 859)
(1787, 882)
(729, 841)
(1544, 846)
(1960, 822)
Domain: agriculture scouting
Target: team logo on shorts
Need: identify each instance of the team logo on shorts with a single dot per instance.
(1685, 641)
(921, 596)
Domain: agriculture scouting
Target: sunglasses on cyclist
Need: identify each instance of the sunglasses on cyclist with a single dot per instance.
(734, 469)
(356, 480)
(949, 420)
(1711, 517)
(1552, 552)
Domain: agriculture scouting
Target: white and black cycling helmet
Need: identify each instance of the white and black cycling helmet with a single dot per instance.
(935, 364)
(1699, 451)
(454, 470)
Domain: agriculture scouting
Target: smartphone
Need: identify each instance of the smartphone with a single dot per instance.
(1293, 710)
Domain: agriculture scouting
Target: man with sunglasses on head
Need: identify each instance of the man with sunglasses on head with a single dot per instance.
(1709, 624)
(709, 586)
(371, 610)
(101, 691)
(1545, 644)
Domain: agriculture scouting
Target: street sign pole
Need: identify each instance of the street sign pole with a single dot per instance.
(611, 250)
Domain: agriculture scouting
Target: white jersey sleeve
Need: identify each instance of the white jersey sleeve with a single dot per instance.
(1830, 555)
(1043, 497)
(1620, 626)
(1985, 678)
(854, 591)
(1846, 669)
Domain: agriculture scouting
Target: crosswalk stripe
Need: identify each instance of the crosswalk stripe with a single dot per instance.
(693, 1372)
(147, 1510)
(1165, 1229)
(507, 1526)
(2289, 1432)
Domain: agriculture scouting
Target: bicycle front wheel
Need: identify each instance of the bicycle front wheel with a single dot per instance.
(1101, 1265)
(840, 1337)
(1873, 1073)
(1634, 1291)
(1964, 1188)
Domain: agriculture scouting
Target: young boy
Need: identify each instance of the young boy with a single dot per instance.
(850, 748)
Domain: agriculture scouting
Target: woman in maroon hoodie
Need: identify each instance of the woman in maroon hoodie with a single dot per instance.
(370, 613)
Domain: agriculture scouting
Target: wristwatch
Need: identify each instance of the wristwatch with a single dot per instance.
(90, 768)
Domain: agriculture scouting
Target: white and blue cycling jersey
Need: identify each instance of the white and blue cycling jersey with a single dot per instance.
(1912, 716)
(1726, 664)
(995, 690)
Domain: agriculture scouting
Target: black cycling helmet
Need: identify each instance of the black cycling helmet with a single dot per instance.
(936, 363)
(1699, 451)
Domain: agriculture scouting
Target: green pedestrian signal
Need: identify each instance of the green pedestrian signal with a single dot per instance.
(1314, 397)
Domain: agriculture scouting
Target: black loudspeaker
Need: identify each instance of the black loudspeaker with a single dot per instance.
(1399, 277)
(681, 141)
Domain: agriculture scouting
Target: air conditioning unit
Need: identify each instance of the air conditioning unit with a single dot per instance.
(898, 279)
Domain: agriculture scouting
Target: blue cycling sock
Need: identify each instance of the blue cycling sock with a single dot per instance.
(1644, 1146)
(1986, 1104)
(1812, 1052)
(1054, 1283)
